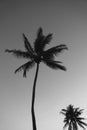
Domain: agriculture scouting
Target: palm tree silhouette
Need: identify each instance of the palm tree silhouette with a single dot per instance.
(72, 118)
(37, 54)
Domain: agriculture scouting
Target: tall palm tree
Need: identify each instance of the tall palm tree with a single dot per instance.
(36, 55)
(72, 118)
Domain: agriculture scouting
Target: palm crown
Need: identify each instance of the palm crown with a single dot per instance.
(37, 53)
(72, 118)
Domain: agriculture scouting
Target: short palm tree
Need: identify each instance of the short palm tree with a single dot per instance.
(72, 118)
(35, 55)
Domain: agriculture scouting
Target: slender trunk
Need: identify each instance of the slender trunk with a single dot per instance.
(33, 99)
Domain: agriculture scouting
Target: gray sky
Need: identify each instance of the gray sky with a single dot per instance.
(67, 20)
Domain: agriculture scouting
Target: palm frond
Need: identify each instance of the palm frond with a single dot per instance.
(19, 53)
(63, 113)
(39, 41)
(65, 125)
(64, 110)
(80, 118)
(56, 50)
(81, 122)
(81, 125)
(81, 111)
(25, 67)
(65, 120)
(54, 64)
(27, 45)
(76, 109)
(46, 40)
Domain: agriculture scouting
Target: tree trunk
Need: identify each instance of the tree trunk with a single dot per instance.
(33, 99)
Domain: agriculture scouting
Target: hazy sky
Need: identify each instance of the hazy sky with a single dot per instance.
(67, 20)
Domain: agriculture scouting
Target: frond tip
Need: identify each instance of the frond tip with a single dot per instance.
(7, 50)
(19, 53)
(40, 32)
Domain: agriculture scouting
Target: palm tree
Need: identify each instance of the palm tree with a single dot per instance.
(72, 118)
(36, 55)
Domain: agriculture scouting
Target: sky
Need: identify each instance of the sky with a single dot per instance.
(67, 20)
